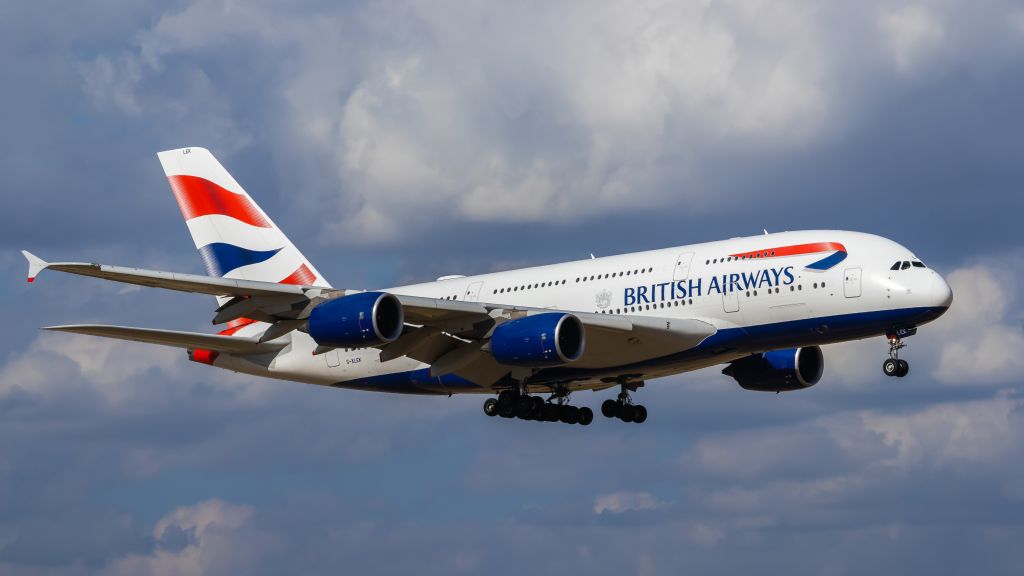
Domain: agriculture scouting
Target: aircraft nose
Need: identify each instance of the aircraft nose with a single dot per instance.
(941, 293)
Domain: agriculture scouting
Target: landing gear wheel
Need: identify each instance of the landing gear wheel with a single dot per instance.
(586, 416)
(902, 369)
(491, 406)
(641, 414)
(891, 367)
(549, 413)
(538, 405)
(610, 408)
(568, 414)
(627, 412)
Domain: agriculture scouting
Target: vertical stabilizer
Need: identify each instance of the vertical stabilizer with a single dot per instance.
(235, 238)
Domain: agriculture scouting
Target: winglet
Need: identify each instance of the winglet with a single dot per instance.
(35, 264)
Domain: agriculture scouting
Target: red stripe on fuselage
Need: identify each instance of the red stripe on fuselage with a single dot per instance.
(794, 250)
(302, 276)
(199, 197)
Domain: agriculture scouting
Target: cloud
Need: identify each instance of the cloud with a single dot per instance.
(981, 336)
(207, 535)
(573, 123)
(911, 31)
(619, 502)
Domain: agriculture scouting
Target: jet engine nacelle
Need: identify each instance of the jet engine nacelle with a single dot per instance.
(357, 321)
(779, 370)
(548, 339)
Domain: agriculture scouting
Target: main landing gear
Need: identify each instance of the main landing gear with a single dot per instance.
(623, 408)
(512, 404)
(893, 365)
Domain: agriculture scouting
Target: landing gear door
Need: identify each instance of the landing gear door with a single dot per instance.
(473, 292)
(851, 282)
(682, 269)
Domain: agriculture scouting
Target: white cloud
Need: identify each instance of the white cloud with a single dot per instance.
(211, 545)
(979, 339)
(56, 363)
(846, 449)
(557, 111)
(619, 502)
(912, 32)
(951, 434)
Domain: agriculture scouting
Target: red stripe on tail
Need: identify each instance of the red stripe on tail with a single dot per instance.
(302, 276)
(199, 197)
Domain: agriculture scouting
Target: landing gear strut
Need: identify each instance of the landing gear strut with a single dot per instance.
(893, 365)
(623, 407)
(519, 404)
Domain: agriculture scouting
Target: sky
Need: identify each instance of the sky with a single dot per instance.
(401, 141)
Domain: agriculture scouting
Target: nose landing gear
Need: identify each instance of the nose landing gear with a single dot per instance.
(893, 365)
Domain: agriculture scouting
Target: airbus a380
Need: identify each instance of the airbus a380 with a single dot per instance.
(760, 305)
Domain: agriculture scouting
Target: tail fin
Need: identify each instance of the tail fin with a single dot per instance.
(235, 238)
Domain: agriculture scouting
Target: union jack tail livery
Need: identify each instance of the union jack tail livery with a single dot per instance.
(235, 238)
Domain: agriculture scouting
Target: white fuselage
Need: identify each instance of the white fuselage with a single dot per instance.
(761, 299)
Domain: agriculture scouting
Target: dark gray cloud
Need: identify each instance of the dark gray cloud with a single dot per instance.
(399, 142)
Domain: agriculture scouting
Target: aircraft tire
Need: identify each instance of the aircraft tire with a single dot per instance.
(549, 413)
(610, 408)
(491, 407)
(902, 369)
(640, 415)
(890, 367)
(586, 416)
(627, 412)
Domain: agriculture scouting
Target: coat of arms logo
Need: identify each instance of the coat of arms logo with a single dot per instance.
(603, 299)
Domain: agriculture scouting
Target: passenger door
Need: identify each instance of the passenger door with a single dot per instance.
(473, 292)
(682, 268)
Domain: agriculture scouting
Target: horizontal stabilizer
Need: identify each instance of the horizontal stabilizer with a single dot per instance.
(188, 340)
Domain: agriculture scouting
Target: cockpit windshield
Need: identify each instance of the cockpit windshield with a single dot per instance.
(904, 264)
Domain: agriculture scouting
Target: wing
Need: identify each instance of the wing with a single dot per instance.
(450, 335)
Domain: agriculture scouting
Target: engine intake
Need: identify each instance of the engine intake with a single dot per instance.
(547, 339)
(357, 321)
(779, 370)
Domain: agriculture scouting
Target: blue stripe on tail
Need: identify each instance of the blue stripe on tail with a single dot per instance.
(221, 258)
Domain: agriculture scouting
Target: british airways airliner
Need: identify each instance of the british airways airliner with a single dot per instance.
(760, 305)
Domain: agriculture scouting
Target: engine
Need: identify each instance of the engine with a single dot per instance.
(779, 370)
(357, 321)
(547, 339)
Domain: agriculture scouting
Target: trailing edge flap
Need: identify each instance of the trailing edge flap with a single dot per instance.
(188, 340)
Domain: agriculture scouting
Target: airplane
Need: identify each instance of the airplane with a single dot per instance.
(761, 305)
